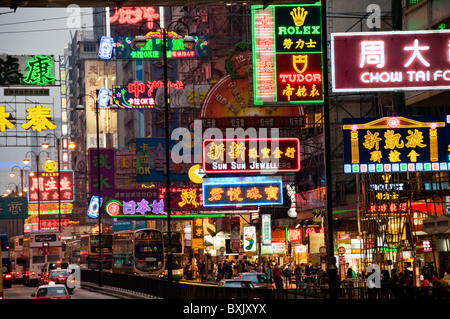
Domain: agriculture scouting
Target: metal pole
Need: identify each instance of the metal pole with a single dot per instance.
(39, 193)
(59, 183)
(100, 261)
(331, 260)
(166, 109)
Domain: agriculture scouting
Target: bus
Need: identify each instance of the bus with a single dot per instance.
(71, 252)
(39, 247)
(90, 252)
(5, 250)
(138, 252)
(16, 257)
(177, 253)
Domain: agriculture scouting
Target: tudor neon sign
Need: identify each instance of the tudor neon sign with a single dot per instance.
(287, 50)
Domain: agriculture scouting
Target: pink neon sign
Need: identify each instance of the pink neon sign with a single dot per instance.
(386, 61)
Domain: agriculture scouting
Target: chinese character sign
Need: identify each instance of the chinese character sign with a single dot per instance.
(242, 191)
(266, 229)
(387, 61)
(13, 208)
(107, 177)
(251, 155)
(287, 55)
(396, 144)
(45, 187)
(27, 70)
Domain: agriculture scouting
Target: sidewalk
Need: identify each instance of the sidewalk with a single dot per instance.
(116, 292)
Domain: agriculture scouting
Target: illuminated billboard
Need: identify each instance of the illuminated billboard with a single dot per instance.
(396, 144)
(126, 49)
(287, 54)
(251, 155)
(388, 61)
(45, 187)
(27, 70)
(242, 191)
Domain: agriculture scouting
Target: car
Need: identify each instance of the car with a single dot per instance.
(51, 292)
(236, 283)
(60, 276)
(258, 279)
(48, 267)
(7, 277)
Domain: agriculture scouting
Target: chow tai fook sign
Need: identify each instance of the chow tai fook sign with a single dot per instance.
(396, 144)
(45, 187)
(242, 191)
(389, 61)
(287, 54)
(251, 155)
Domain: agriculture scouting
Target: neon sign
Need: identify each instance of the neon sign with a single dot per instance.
(387, 61)
(242, 191)
(27, 70)
(140, 95)
(135, 15)
(46, 187)
(251, 155)
(125, 48)
(287, 50)
(375, 145)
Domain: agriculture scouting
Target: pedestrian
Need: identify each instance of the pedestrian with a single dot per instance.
(277, 276)
(201, 270)
(268, 272)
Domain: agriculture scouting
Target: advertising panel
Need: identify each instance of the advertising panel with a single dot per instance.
(242, 191)
(396, 144)
(251, 155)
(27, 70)
(45, 187)
(388, 61)
(287, 55)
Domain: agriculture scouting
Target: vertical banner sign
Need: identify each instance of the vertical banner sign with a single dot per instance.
(107, 177)
(249, 238)
(235, 234)
(266, 229)
(197, 234)
(287, 54)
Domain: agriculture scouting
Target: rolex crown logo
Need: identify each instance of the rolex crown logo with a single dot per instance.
(298, 15)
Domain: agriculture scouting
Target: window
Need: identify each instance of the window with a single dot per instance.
(89, 48)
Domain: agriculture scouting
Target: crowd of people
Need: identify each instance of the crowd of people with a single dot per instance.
(287, 275)
(293, 275)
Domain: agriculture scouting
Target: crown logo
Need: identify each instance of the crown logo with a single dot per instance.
(298, 15)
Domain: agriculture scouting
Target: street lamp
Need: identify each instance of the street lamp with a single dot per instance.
(26, 161)
(45, 145)
(189, 42)
(11, 174)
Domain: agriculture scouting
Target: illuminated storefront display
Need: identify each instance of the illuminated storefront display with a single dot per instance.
(242, 191)
(27, 70)
(126, 49)
(266, 229)
(251, 155)
(387, 61)
(287, 55)
(46, 186)
(140, 95)
(50, 208)
(396, 144)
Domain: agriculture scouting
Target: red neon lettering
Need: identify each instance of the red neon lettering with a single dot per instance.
(136, 88)
(300, 77)
(134, 15)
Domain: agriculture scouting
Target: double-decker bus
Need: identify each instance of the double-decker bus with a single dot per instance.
(138, 252)
(90, 252)
(71, 252)
(16, 257)
(176, 243)
(39, 247)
